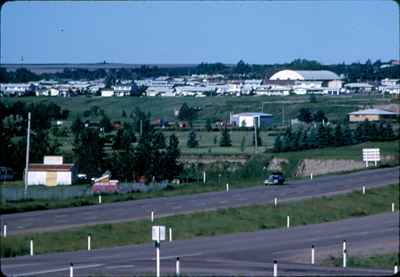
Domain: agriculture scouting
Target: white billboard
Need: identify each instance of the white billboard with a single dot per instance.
(371, 155)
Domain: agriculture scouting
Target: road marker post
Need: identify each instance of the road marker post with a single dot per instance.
(392, 208)
(5, 230)
(311, 176)
(31, 248)
(71, 270)
(89, 242)
(178, 267)
(363, 190)
(275, 201)
(204, 177)
(396, 269)
(152, 216)
(170, 234)
(287, 221)
(344, 245)
(227, 187)
(312, 254)
(344, 258)
(99, 198)
(275, 269)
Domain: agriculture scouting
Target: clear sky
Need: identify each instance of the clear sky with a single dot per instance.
(193, 32)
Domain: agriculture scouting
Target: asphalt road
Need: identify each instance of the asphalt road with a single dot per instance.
(239, 254)
(58, 219)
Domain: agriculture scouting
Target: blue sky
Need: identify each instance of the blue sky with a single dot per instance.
(192, 32)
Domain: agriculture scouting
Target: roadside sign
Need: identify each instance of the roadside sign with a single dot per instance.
(158, 233)
(371, 155)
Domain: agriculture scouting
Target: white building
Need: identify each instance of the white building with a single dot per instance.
(107, 92)
(248, 119)
(52, 172)
(309, 81)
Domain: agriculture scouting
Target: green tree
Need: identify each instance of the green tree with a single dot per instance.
(243, 144)
(192, 141)
(225, 138)
(105, 123)
(319, 116)
(89, 153)
(338, 135)
(208, 125)
(305, 115)
(277, 144)
(172, 167)
(77, 126)
(347, 135)
(187, 113)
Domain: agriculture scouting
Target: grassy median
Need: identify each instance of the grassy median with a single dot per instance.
(377, 261)
(224, 221)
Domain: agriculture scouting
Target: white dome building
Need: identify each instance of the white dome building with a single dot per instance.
(309, 81)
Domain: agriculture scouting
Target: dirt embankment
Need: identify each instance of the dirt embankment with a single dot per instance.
(319, 167)
(207, 159)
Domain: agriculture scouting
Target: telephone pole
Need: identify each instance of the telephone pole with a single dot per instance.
(255, 133)
(27, 152)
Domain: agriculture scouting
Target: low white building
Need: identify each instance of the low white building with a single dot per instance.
(249, 119)
(52, 172)
(107, 92)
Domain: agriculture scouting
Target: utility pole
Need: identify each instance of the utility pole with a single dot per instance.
(255, 133)
(27, 152)
(283, 114)
(141, 127)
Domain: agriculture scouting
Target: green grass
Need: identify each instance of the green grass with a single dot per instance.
(376, 261)
(335, 107)
(223, 221)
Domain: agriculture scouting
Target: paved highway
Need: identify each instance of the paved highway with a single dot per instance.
(237, 254)
(58, 219)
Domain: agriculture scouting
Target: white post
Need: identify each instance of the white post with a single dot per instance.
(89, 242)
(366, 163)
(71, 270)
(178, 269)
(158, 259)
(275, 201)
(311, 176)
(392, 208)
(344, 258)
(204, 177)
(170, 234)
(31, 248)
(344, 245)
(227, 187)
(312, 255)
(376, 163)
(363, 189)
(152, 216)
(275, 269)
(396, 269)
(5, 230)
(99, 198)
(287, 221)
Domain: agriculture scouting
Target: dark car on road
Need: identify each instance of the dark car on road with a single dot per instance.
(276, 178)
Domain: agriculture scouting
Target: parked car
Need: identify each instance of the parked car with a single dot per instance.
(6, 174)
(275, 178)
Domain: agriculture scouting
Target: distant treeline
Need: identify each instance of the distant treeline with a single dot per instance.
(353, 72)
(320, 136)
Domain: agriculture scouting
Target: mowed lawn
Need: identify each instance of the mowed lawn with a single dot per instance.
(223, 221)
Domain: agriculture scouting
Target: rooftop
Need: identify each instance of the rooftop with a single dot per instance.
(373, 112)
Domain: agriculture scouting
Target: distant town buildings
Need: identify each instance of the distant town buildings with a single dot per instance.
(282, 83)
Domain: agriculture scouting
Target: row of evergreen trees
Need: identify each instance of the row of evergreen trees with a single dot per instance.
(319, 136)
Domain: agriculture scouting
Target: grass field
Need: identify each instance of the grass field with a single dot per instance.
(335, 107)
(376, 261)
(223, 221)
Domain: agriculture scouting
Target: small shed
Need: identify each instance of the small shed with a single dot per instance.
(52, 172)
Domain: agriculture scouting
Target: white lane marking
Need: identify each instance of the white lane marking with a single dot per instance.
(183, 255)
(55, 270)
(119, 266)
